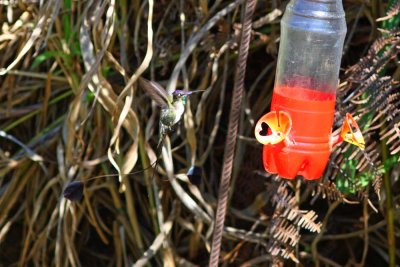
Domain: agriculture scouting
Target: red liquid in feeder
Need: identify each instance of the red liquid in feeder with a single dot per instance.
(307, 151)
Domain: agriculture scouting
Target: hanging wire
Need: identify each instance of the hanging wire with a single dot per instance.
(230, 144)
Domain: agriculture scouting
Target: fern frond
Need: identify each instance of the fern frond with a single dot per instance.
(328, 190)
(377, 184)
(306, 220)
(394, 10)
(285, 233)
(284, 252)
(282, 198)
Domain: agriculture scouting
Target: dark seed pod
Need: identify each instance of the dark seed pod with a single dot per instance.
(74, 191)
(194, 174)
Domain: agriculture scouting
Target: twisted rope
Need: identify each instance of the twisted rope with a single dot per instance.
(230, 144)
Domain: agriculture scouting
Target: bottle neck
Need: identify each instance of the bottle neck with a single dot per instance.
(319, 9)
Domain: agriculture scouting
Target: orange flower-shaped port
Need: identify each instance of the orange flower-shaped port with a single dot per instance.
(351, 133)
(279, 124)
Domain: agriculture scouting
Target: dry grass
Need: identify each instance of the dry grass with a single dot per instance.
(70, 110)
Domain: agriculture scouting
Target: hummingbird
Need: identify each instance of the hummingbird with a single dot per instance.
(172, 109)
(172, 105)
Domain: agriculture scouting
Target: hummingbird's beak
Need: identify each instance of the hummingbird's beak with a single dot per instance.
(196, 91)
(182, 92)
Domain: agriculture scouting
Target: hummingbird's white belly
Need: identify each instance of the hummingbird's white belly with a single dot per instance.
(179, 109)
(172, 115)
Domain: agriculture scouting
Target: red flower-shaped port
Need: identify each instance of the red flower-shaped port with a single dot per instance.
(351, 133)
(279, 123)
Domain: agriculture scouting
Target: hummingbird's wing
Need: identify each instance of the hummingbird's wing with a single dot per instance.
(155, 91)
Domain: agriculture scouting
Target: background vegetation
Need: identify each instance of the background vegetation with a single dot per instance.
(68, 80)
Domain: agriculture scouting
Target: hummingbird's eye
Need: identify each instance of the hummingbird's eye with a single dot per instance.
(178, 93)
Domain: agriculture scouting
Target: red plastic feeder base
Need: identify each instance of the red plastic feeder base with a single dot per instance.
(307, 150)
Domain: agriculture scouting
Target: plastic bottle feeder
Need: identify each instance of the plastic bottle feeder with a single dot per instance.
(299, 139)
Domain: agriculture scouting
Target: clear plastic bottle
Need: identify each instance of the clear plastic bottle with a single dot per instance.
(311, 45)
(310, 52)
